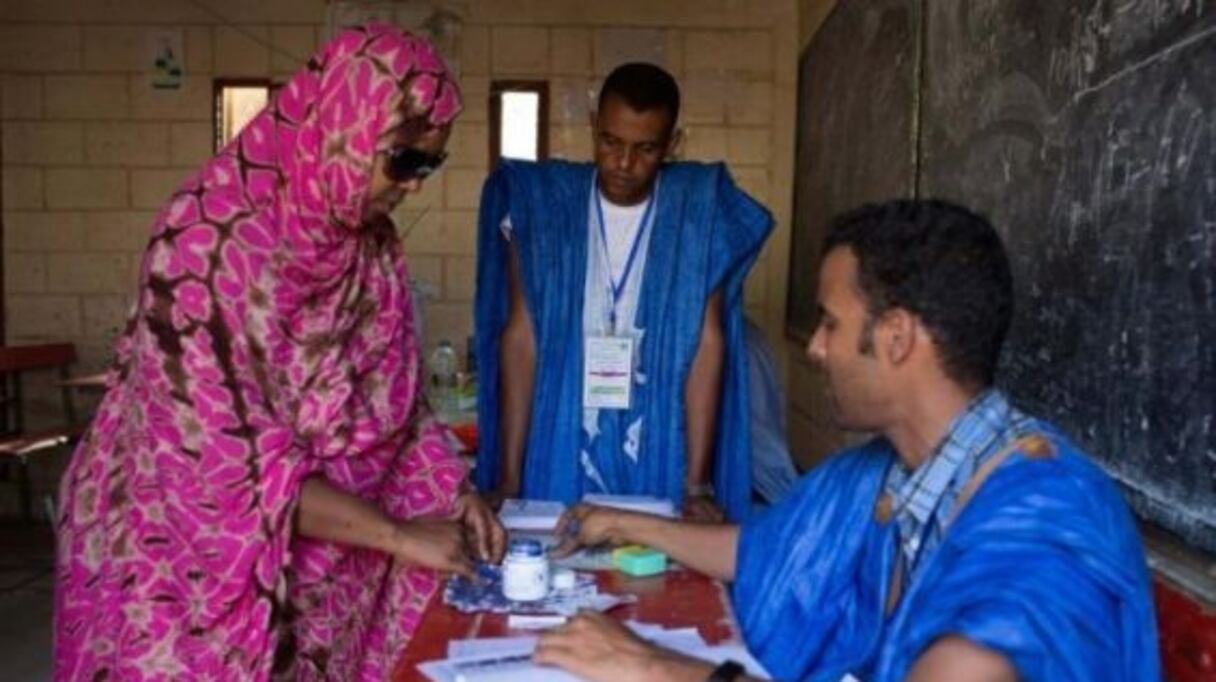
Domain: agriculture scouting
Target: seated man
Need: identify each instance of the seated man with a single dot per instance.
(609, 316)
(966, 541)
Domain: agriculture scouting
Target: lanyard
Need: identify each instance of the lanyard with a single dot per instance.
(618, 288)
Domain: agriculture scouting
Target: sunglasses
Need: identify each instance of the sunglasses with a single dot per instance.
(407, 163)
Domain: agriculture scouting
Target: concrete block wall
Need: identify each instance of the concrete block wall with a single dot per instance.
(91, 150)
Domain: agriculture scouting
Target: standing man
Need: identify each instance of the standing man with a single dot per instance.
(609, 316)
(966, 541)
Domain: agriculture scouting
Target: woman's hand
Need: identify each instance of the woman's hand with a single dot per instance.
(494, 498)
(433, 543)
(484, 533)
(596, 647)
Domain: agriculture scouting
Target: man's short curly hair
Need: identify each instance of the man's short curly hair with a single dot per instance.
(644, 87)
(941, 262)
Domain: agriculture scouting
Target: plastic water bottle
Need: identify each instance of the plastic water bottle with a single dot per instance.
(443, 378)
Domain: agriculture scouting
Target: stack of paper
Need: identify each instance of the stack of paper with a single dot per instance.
(509, 659)
(639, 503)
(541, 515)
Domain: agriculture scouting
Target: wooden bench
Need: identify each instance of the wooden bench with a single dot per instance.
(16, 441)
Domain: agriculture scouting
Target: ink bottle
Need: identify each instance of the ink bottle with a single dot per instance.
(525, 571)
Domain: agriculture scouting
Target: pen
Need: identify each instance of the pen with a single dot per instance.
(464, 666)
(493, 668)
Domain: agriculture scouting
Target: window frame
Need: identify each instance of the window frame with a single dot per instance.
(217, 100)
(538, 87)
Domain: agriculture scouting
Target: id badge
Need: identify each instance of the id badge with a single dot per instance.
(607, 372)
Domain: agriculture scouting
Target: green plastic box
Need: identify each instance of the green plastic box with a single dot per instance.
(639, 561)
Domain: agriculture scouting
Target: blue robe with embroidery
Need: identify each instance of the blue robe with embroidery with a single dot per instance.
(1043, 565)
(705, 236)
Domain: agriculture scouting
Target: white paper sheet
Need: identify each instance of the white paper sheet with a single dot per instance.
(507, 659)
(639, 503)
(534, 515)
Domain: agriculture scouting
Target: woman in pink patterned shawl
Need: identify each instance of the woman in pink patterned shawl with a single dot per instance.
(262, 493)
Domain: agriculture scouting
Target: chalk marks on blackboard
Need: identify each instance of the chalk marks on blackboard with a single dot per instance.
(1072, 63)
(1143, 63)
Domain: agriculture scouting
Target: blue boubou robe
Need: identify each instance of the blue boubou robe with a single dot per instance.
(706, 235)
(1043, 565)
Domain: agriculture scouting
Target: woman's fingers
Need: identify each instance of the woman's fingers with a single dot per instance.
(481, 532)
(498, 540)
(490, 537)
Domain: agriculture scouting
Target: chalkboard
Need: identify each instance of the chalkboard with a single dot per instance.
(1086, 130)
(856, 84)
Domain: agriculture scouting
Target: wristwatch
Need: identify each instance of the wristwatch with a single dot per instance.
(699, 489)
(726, 672)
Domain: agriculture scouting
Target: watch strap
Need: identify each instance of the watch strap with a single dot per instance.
(726, 672)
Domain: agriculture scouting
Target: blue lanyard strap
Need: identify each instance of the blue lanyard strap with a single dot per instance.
(618, 288)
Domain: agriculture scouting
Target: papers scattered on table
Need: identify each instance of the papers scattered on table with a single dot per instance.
(524, 621)
(485, 647)
(509, 659)
(539, 515)
(638, 503)
(485, 594)
(587, 559)
(542, 515)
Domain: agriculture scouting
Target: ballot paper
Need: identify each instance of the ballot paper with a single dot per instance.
(485, 595)
(534, 621)
(509, 659)
(543, 515)
(534, 515)
(484, 647)
(640, 503)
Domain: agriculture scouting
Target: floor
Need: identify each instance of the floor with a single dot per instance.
(26, 556)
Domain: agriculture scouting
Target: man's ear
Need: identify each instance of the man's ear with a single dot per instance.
(898, 333)
(673, 145)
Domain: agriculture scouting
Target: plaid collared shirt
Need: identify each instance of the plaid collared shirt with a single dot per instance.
(923, 499)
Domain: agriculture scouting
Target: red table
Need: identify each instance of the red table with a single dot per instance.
(678, 598)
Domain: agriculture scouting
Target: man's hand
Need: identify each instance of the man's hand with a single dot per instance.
(433, 543)
(702, 509)
(588, 525)
(484, 533)
(596, 647)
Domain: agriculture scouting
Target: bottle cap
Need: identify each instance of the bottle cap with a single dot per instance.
(563, 579)
(525, 547)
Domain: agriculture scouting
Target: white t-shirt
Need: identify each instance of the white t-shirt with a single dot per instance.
(622, 225)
